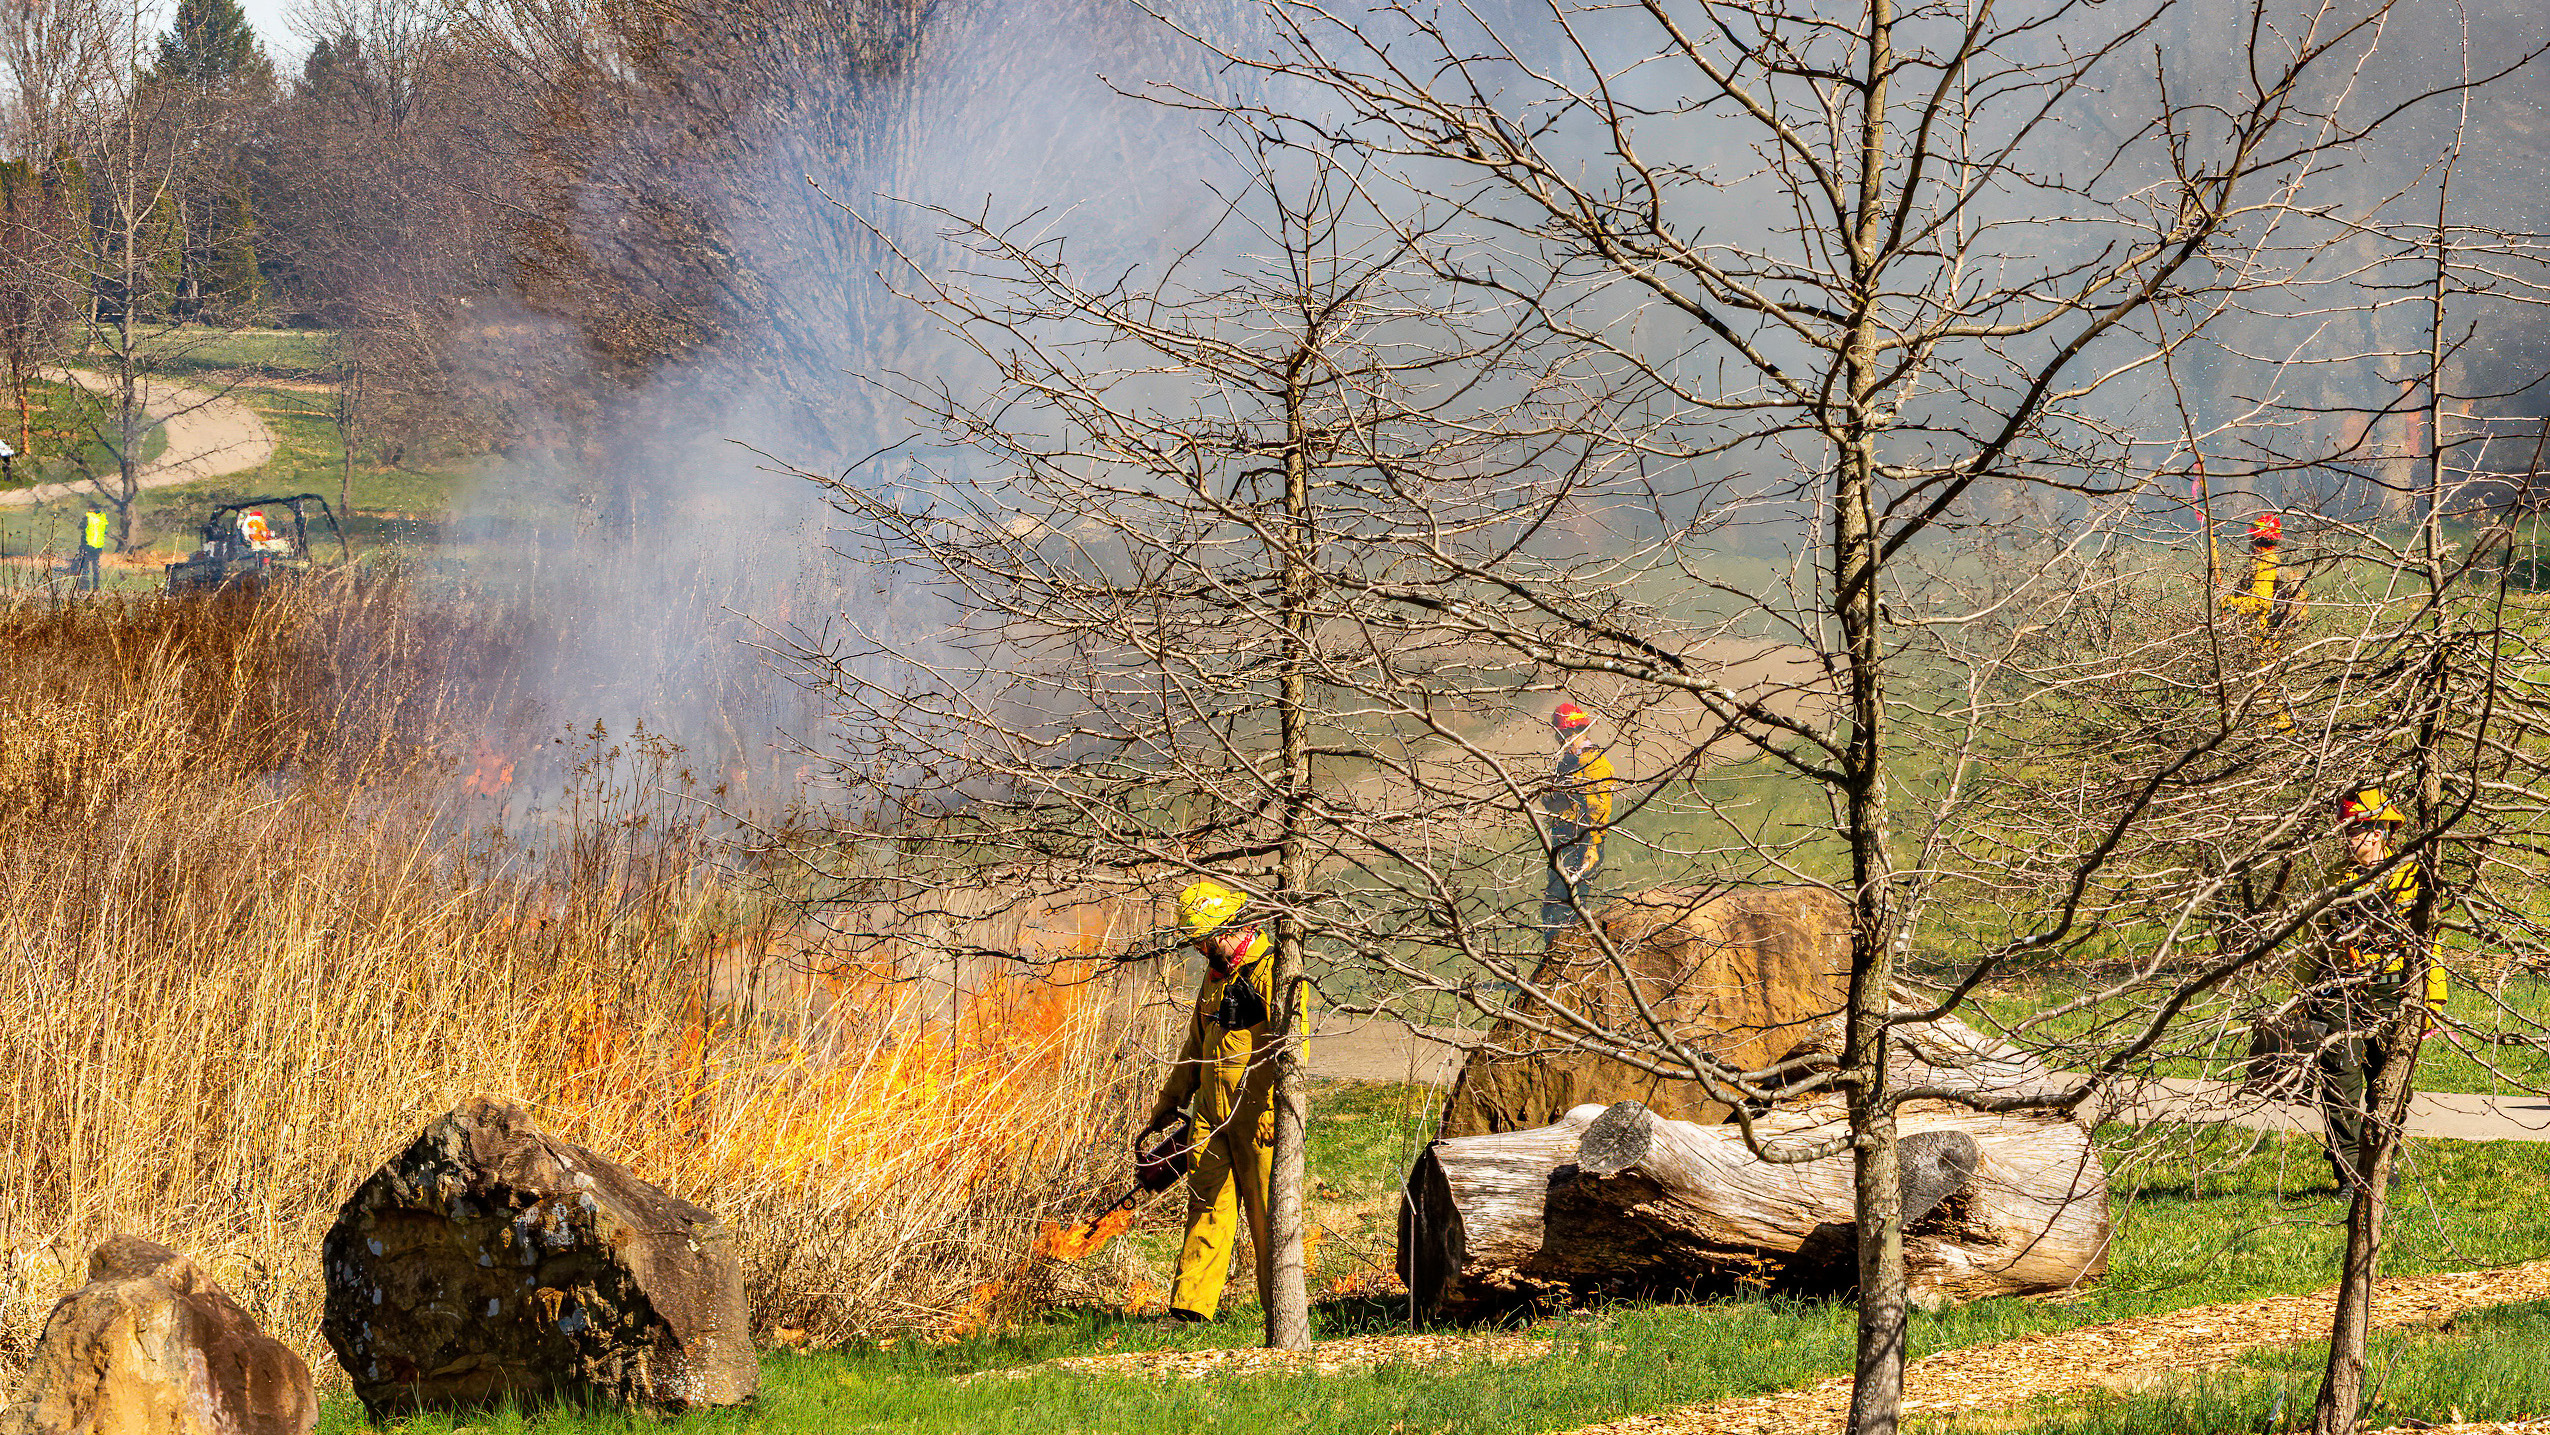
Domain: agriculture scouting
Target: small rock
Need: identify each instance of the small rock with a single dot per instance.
(490, 1263)
(152, 1346)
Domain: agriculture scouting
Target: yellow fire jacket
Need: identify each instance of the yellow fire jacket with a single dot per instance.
(1578, 802)
(1218, 1066)
(2265, 600)
(2368, 936)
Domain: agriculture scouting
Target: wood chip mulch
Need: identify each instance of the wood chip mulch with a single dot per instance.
(2119, 1354)
(1327, 1357)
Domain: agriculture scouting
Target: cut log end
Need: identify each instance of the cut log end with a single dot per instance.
(1935, 1165)
(1617, 1140)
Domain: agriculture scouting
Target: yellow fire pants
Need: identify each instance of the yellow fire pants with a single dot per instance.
(1227, 1182)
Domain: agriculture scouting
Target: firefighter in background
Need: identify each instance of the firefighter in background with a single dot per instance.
(2354, 979)
(2268, 601)
(258, 534)
(1226, 1069)
(1577, 806)
(84, 569)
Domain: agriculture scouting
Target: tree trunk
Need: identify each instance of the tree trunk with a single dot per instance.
(348, 393)
(1288, 1300)
(2340, 1406)
(1619, 1201)
(1877, 1370)
(2341, 1403)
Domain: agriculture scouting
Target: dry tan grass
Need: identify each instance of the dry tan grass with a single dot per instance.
(245, 958)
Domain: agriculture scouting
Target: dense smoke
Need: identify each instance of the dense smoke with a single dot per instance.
(730, 279)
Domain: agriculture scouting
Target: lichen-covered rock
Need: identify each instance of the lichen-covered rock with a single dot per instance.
(489, 1263)
(152, 1346)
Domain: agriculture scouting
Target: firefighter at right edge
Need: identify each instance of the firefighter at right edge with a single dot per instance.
(2357, 975)
(1227, 1069)
(1577, 806)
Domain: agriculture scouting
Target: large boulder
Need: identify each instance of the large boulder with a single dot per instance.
(1943, 1054)
(490, 1263)
(152, 1346)
(1742, 974)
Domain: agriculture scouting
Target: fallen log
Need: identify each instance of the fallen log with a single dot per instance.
(1621, 1202)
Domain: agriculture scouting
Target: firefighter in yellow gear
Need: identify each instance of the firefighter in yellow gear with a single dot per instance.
(2357, 975)
(1226, 1069)
(2267, 600)
(93, 532)
(1577, 806)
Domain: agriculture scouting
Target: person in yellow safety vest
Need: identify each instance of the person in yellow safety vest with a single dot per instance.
(92, 549)
(1226, 1068)
(1577, 805)
(2266, 599)
(2356, 975)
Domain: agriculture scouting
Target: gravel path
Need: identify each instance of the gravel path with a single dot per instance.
(209, 435)
(1372, 1050)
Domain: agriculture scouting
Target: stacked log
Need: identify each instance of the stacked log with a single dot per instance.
(1620, 1201)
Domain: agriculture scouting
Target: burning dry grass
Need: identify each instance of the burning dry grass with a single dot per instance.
(246, 955)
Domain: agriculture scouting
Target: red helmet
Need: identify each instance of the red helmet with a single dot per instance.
(1569, 718)
(2368, 804)
(2266, 530)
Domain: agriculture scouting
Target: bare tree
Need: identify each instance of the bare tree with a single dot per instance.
(58, 57)
(137, 262)
(1878, 277)
(1145, 668)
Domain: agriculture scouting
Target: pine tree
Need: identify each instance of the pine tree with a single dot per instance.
(212, 43)
(231, 280)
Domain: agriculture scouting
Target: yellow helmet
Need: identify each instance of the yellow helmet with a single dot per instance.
(2368, 804)
(1206, 905)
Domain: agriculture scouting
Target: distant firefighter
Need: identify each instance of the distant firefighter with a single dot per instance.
(2267, 599)
(84, 569)
(1577, 807)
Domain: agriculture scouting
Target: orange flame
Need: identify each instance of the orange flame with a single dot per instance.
(879, 1087)
(491, 772)
(982, 1311)
(1082, 1240)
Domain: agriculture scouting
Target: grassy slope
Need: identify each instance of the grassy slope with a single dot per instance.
(63, 420)
(2261, 1221)
(272, 371)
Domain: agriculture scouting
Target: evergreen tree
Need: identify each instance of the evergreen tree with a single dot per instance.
(212, 43)
(232, 280)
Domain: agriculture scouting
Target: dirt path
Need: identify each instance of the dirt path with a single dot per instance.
(2121, 1354)
(1465, 792)
(209, 435)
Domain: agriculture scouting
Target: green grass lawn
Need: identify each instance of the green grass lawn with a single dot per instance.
(192, 352)
(2203, 1216)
